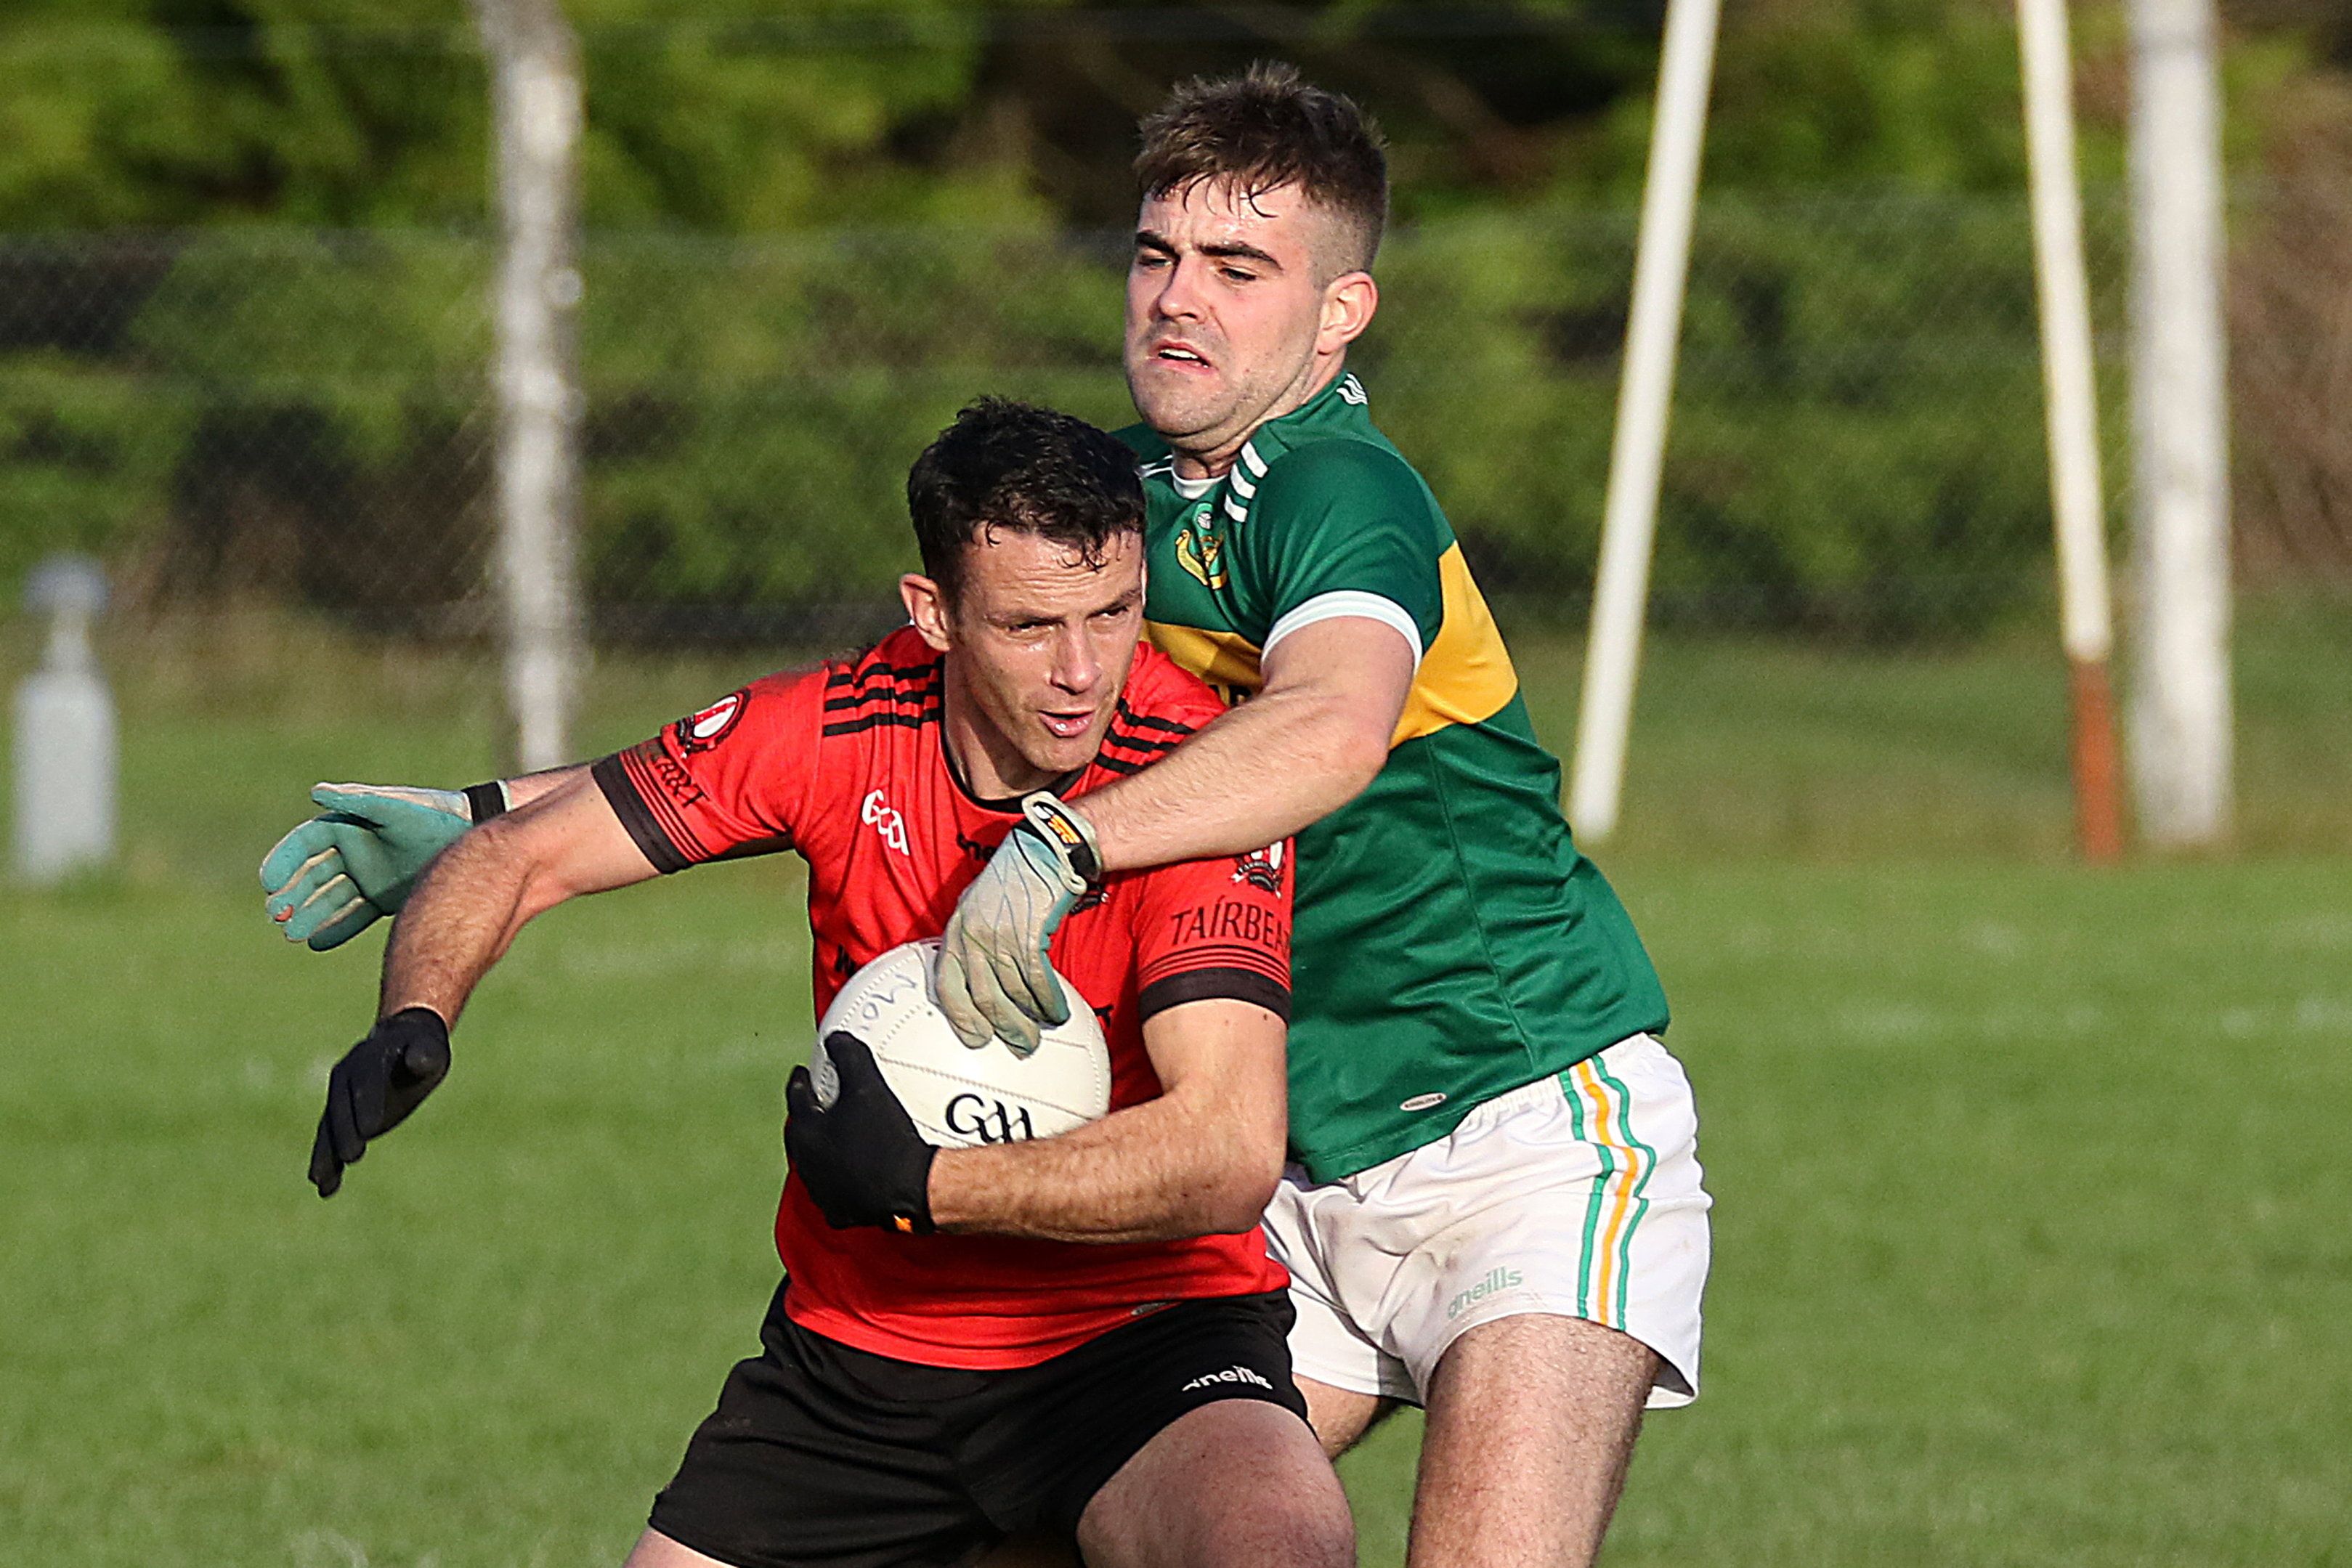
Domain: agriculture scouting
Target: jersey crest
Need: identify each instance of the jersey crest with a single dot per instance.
(1200, 549)
(701, 731)
(1262, 869)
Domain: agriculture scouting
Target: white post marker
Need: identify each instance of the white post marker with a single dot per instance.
(535, 98)
(2180, 713)
(64, 733)
(2070, 410)
(1637, 451)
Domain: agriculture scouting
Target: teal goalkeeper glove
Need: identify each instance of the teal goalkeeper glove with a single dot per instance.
(994, 977)
(336, 875)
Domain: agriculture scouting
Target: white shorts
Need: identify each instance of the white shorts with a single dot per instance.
(1576, 1196)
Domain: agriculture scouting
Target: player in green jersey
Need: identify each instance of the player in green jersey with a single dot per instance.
(1497, 1211)
(1497, 1208)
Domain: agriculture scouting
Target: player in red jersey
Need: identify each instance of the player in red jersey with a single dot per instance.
(1082, 1335)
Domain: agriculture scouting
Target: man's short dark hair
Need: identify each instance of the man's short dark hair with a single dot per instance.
(1267, 128)
(1005, 465)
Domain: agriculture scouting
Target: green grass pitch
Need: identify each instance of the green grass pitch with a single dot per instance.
(2031, 1235)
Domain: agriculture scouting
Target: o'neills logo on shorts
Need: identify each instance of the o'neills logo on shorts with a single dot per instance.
(1496, 1281)
(1231, 1375)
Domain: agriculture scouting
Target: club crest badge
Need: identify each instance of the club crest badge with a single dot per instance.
(701, 731)
(1262, 869)
(1201, 550)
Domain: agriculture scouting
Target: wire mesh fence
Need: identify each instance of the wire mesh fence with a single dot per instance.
(300, 418)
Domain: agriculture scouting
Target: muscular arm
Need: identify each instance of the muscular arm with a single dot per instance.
(1201, 1159)
(1297, 751)
(485, 887)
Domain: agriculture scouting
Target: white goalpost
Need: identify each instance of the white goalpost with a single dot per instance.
(535, 100)
(2180, 708)
(1638, 449)
(2182, 712)
(2070, 414)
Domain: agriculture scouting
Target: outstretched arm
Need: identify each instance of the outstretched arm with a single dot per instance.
(463, 917)
(490, 883)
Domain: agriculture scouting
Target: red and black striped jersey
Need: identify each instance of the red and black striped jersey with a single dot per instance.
(846, 765)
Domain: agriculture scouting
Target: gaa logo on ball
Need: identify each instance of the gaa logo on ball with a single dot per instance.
(959, 1098)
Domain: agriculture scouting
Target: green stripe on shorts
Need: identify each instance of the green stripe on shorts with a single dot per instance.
(1640, 1204)
(1593, 1206)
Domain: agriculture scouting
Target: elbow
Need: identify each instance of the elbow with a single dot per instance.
(1360, 761)
(1236, 1198)
(1357, 751)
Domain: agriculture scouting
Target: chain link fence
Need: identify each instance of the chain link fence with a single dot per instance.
(300, 418)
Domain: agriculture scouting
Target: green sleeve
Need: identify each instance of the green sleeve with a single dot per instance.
(1346, 517)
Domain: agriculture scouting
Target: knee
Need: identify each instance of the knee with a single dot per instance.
(1308, 1527)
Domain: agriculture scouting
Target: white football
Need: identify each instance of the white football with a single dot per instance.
(959, 1097)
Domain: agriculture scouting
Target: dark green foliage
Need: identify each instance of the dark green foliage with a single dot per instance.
(813, 235)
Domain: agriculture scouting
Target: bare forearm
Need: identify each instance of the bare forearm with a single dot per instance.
(1151, 1173)
(1258, 774)
(523, 789)
(457, 924)
(486, 886)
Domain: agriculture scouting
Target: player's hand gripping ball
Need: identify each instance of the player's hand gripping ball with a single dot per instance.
(374, 1087)
(891, 1084)
(994, 977)
(338, 874)
(959, 1097)
(856, 1150)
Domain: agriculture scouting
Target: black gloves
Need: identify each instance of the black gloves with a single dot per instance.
(374, 1087)
(860, 1157)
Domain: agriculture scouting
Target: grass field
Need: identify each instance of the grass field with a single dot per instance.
(2031, 1245)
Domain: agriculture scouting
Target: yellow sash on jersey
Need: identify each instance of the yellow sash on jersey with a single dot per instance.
(1464, 676)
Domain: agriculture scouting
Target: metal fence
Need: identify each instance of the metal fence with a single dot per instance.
(300, 418)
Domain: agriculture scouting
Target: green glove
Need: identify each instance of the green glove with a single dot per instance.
(332, 877)
(994, 977)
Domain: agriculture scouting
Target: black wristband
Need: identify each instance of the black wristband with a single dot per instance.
(1045, 814)
(485, 801)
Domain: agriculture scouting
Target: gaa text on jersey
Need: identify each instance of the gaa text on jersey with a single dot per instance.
(884, 820)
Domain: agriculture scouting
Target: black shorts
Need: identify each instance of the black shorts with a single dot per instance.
(821, 1455)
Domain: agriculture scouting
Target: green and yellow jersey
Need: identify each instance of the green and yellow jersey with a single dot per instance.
(1451, 943)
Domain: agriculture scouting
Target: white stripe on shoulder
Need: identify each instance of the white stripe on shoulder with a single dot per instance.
(1164, 466)
(1341, 603)
(1240, 480)
(1236, 510)
(1252, 460)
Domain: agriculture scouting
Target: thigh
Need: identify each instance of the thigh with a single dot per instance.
(1239, 1483)
(655, 1550)
(1532, 1425)
(1342, 1416)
